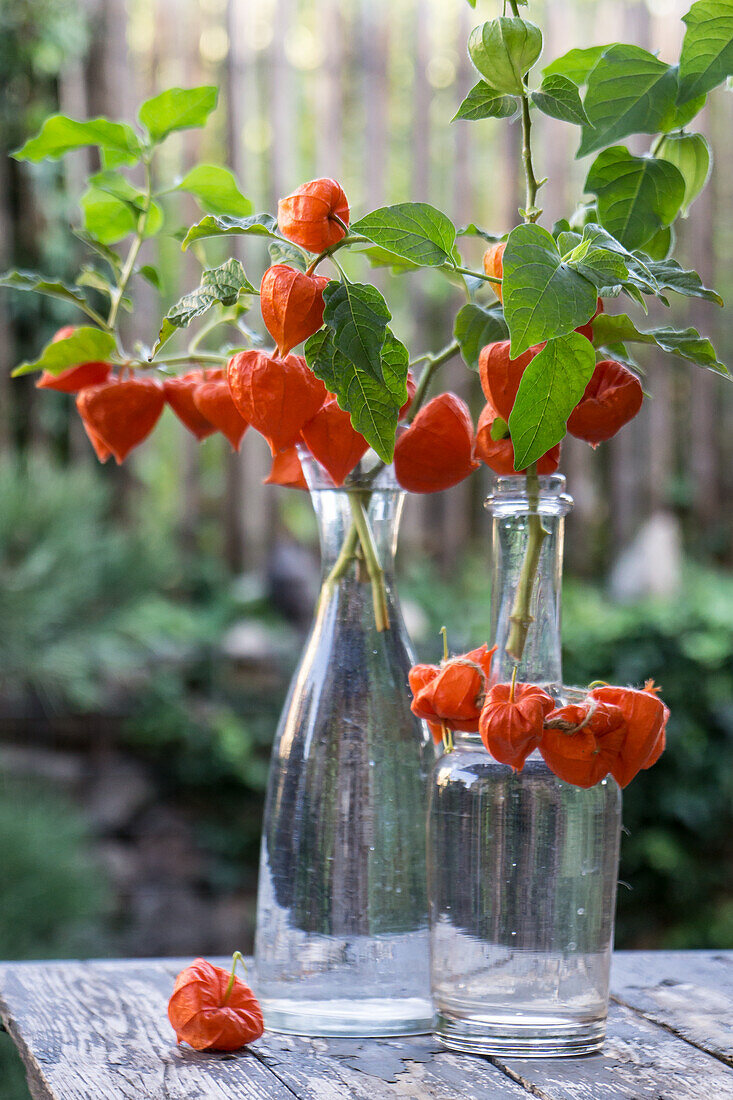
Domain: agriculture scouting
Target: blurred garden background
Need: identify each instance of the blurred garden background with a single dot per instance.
(151, 615)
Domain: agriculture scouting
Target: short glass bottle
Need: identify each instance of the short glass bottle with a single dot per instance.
(522, 867)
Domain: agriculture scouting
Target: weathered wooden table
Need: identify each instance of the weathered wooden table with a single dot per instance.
(99, 1031)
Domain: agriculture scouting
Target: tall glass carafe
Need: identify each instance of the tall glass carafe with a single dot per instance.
(522, 866)
(342, 936)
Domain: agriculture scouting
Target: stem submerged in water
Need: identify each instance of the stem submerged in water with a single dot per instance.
(521, 617)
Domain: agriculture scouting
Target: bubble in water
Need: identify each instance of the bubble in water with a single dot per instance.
(572, 945)
(581, 912)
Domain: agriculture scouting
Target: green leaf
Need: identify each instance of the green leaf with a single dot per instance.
(689, 344)
(357, 315)
(483, 101)
(39, 284)
(629, 92)
(374, 404)
(660, 245)
(472, 230)
(258, 225)
(707, 50)
(543, 297)
(60, 134)
(102, 250)
(114, 183)
(414, 230)
(669, 275)
(219, 285)
(690, 153)
(89, 276)
(576, 65)
(476, 327)
(551, 386)
(84, 345)
(637, 196)
(614, 328)
(215, 190)
(283, 252)
(177, 109)
(382, 257)
(110, 219)
(504, 50)
(559, 98)
(681, 115)
(611, 329)
(151, 275)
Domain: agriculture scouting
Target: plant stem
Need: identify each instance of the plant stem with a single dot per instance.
(348, 239)
(521, 617)
(371, 557)
(530, 213)
(236, 957)
(477, 275)
(132, 255)
(434, 362)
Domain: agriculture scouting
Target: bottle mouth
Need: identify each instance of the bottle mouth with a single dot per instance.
(509, 494)
(370, 474)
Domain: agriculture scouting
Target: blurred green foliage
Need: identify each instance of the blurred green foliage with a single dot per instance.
(87, 598)
(677, 851)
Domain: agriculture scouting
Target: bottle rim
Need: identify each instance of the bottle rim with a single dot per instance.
(509, 494)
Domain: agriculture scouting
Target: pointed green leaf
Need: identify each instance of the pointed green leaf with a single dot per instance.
(707, 51)
(691, 154)
(559, 98)
(258, 225)
(357, 315)
(682, 114)
(177, 109)
(629, 92)
(283, 252)
(374, 404)
(472, 230)
(576, 65)
(84, 345)
(543, 297)
(39, 284)
(215, 190)
(475, 327)
(219, 286)
(611, 329)
(60, 134)
(382, 257)
(103, 250)
(614, 328)
(689, 344)
(110, 219)
(637, 196)
(551, 386)
(504, 50)
(414, 230)
(151, 275)
(669, 275)
(483, 101)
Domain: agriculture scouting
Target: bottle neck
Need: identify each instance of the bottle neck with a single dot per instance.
(527, 530)
(342, 514)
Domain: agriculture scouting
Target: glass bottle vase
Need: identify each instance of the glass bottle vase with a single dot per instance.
(342, 941)
(522, 866)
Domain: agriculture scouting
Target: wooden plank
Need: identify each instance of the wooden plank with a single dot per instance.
(416, 1067)
(100, 1030)
(688, 992)
(640, 1061)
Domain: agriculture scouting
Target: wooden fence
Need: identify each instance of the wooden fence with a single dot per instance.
(364, 90)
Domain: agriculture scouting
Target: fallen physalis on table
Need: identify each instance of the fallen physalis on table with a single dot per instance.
(212, 1009)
